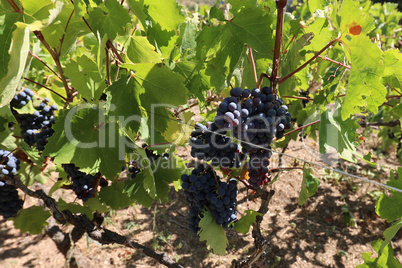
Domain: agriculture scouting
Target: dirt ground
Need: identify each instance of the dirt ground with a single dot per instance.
(312, 235)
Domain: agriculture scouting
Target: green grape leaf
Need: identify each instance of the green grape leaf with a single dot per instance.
(393, 68)
(178, 132)
(74, 208)
(397, 110)
(85, 138)
(243, 225)
(389, 233)
(18, 56)
(31, 173)
(165, 172)
(386, 259)
(309, 186)
(85, 78)
(139, 50)
(221, 50)
(354, 21)
(137, 7)
(162, 82)
(123, 102)
(213, 234)
(7, 140)
(57, 185)
(365, 87)
(37, 13)
(95, 204)
(390, 207)
(292, 60)
(56, 30)
(195, 79)
(24, 221)
(135, 190)
(338, 134)
(246, 27)
(167, 13)
(7, 26)
(115, 197)
(80, 8)
(313, 5)
(189, 44)
(111, 23)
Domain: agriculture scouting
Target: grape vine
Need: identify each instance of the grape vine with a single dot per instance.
(213, 93)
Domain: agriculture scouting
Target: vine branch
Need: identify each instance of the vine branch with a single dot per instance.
(44, 63)
(280, 7)
(309, 61)
(56, 59)
(51, 90)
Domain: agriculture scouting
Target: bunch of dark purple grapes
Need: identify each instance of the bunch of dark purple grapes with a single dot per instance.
(255, 117)
(209, 143)
(134, 167)
(10, 203)
(83, 183)
(36, 128)
(204, 189)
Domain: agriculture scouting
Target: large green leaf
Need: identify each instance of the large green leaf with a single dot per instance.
(222, 51)
(124, 103)
(139, 50)
(253, 26)
(393, 68)
(390, 207)
(389, 233)
(7, 26)
(162, 89)
(338, 134)
(115, 197)
(37, 13)
(165, 171)
(243, 225)
(109, 23)
(365, 88)
(167, 13)
(354, 16)
(7, 139)
(84, 137)
(386, 259)
(293, 59)
(212, 233)
(57, 32)
(18, 57)
(32, 220)
(85, 77)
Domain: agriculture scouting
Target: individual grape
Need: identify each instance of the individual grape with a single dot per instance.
(236, 92)
(232, 106)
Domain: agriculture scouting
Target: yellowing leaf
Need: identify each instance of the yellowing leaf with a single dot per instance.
(177, 132)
